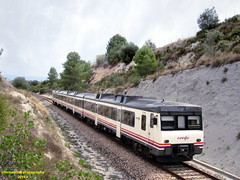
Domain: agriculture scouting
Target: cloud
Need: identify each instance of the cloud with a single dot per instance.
(38, 35)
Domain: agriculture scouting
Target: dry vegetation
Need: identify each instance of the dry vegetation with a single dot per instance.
(58, 160)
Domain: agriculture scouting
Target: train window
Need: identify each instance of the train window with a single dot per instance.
(128, 118)
(194, 122)
(90, 106)
(104, 111)
(114, 114)
(151, 120)
(181, 122)
(79, 103)
(143, 126)
(168, 122)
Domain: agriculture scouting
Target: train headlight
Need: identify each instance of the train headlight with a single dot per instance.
(198, 140)
(166, 141)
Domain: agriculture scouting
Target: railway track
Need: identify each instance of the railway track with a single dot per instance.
(185, 171)
(181, 170)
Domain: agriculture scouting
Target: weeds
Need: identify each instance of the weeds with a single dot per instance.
(84, 163)
(238, 136)
(225, 70)
(224, 79)
(21, 151)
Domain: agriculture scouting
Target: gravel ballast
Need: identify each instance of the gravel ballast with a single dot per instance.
(106, 155)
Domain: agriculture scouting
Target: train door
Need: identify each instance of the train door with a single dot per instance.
(145, 125)
(152, 127)
(118, 123)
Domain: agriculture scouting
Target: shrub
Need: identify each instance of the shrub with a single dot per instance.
(21, 83)
(223, 44)
(236, 49)
(233, 19)
(134, 79)
(238, 136)
(210, 45)
(113, 49)
(4, 111)
(224, 79)
(101, 61)
(235, 30)
(127, 52)
(225, 70)
(145, 60)
(161, 66)
(19, 150)
(65, 169)
(85, 164)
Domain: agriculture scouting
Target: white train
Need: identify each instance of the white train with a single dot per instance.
(169, 131)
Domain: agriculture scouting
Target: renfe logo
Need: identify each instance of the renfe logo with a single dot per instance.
(181, 138)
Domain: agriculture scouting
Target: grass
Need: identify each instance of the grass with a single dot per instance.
(84, 163)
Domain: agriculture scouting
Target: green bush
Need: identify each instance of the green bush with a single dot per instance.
(161, 66)
(113, 49)
(127, 52)
(210, 45)
(4, 111)
(235, 30)
(19, 150)
(233, 19)
(85, 164)
(114, 80)
(134, 79)
(21, 83)
(236, 49)
(145, 60)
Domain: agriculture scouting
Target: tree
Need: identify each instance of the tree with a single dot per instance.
(145, 60)
(113, 48)
(127, 52)
(52, 75)
(21, 83)
(150, 44)
(208, 19)
(1, 51)
(76, 72)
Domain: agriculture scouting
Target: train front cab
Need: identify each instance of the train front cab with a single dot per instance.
(181, 136)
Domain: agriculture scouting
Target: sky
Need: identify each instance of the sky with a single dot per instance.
(38, 34)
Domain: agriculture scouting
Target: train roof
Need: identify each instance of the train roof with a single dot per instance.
(139, 102)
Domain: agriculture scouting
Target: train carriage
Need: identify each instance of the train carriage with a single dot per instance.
(170, 131)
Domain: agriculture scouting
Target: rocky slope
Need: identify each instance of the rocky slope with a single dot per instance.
(217, 90)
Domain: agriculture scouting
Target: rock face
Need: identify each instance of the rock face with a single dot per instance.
(217, 90)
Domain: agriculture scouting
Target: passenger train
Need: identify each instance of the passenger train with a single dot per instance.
(168, 131)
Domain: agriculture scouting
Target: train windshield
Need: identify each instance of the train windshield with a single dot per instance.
(181, 122)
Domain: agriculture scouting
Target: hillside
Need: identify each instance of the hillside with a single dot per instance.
(202, 70)
(217, 90)
(213, 47)
(31, 141)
